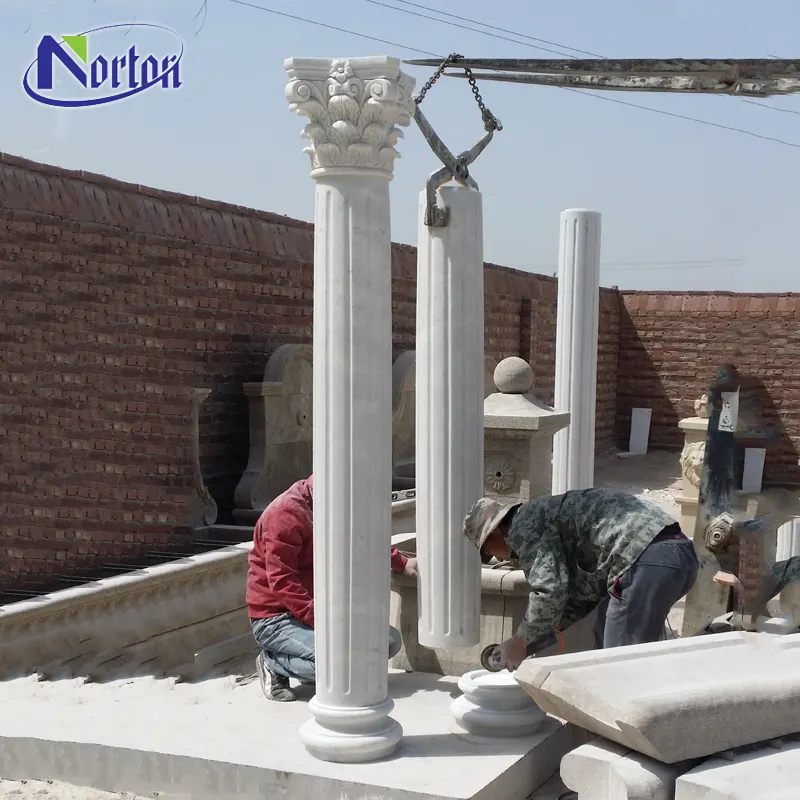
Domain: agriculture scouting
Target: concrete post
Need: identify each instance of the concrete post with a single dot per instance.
(576, 348)
(354, 106)
(449, 427)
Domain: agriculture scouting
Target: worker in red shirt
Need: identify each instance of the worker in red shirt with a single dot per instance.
(280, 591)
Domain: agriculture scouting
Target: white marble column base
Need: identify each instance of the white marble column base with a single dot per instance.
(494, 704)
(351, 735)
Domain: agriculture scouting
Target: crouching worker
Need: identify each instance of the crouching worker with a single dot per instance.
(280, 592)
(582, 550)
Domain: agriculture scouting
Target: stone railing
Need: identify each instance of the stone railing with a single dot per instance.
(158, 620)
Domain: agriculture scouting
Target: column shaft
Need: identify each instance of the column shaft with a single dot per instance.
(352, 439)
(449, 425)
(576, 348)
(788, 540)
(354, 107)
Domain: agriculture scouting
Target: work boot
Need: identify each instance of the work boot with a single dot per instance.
(275, 687)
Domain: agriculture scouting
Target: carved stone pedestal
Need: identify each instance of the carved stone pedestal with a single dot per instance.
(518, 435)
(707, 600)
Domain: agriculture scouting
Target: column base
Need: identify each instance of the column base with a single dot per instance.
(494, 704)
(351, 735)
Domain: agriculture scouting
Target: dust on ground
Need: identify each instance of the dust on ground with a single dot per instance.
(55, 790)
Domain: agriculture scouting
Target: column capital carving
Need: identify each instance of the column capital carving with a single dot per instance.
(354, 107)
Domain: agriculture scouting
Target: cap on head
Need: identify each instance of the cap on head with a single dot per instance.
(483, 519)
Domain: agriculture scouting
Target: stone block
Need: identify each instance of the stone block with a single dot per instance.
(676, 700)
(768, 773)
(603, 770)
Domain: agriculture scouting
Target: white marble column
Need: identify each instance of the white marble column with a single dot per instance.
(788, 540)
(788, 546)
(354, 107)
(576, 348)
(449, 426)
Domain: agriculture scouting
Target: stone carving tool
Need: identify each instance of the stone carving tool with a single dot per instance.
(490, 658)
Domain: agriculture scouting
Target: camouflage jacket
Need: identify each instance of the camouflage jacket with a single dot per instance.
(572, 548)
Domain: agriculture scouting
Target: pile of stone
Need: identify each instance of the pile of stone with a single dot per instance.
(714, 717)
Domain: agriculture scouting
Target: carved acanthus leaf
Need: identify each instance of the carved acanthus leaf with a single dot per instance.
(352, 119)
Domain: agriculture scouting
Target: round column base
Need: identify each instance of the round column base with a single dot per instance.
(351, 735)
(494, 704)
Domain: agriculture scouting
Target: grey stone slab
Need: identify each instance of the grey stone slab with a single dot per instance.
(764, 774)
(676, 700)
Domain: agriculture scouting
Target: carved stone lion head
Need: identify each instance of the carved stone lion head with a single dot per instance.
(692, 462)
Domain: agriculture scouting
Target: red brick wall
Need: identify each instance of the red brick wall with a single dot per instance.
(118, 299)
(670, 344)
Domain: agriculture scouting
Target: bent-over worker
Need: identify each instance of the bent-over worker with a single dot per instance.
(582, 550)
(280, 592)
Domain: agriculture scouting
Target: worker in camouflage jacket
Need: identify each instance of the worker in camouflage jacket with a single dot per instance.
(584, 550)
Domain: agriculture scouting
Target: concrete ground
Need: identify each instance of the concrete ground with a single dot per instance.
(655, 477)
(54, 790)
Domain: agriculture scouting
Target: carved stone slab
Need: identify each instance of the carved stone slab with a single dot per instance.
(679, 699)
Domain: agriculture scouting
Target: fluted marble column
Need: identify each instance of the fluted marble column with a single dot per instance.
(576, 348)
(354, 107)
(449, 428)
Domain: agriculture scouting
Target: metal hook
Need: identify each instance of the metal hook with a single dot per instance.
(455, 168)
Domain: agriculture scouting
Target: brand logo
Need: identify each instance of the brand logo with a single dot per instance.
(97, 75)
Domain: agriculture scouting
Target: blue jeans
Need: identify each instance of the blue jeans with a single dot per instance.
(288, 646)
(636, 607)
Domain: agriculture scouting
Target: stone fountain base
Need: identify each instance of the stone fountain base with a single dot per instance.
(504, 598)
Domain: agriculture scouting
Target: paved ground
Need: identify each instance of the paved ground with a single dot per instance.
(53, 790)
(50, 790)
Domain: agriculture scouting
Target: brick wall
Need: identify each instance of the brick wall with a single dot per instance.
(670, 343)
(669, 346)
(116, 301)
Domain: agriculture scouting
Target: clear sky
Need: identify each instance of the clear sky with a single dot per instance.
(685, 205)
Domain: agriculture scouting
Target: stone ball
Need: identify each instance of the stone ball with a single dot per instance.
(513, 376)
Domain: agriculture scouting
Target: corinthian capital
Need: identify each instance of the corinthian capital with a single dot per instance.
(354, 107)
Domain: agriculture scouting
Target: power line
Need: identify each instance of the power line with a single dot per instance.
(684, 117)
(635, 266)
(334, 28)
(670, 267)
(466, 27)
(360, 35)
(771, 108)
(502, 30)
(719, 125)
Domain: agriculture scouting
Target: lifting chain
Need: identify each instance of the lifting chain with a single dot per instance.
(455, 168)
(490, 121)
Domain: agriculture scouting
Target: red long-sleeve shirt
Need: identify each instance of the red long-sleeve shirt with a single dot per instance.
(280, 576)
